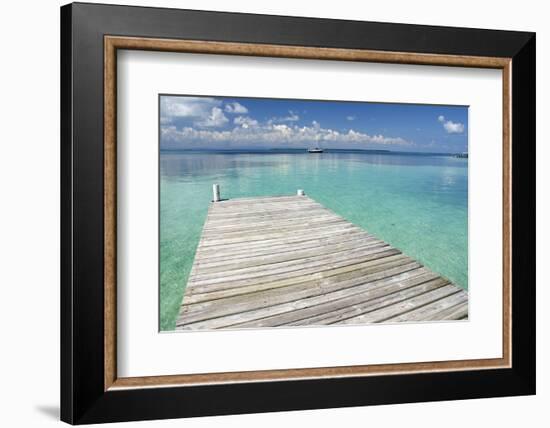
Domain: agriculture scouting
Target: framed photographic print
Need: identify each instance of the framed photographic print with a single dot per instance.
(316, 212)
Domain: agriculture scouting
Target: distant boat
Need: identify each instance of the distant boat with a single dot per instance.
(462, 155)
(315, 150)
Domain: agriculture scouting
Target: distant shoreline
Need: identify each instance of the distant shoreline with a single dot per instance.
(303, 151)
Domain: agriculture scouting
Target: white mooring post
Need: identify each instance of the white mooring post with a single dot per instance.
(301, 192)
(215, 193)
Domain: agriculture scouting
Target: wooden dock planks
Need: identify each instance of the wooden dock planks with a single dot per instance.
(289, 261)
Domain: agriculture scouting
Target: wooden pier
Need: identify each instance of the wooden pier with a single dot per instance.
(289, 261)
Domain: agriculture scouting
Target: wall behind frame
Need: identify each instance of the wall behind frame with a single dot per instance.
(29, 222)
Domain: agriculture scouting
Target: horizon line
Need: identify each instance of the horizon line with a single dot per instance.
(299, 149)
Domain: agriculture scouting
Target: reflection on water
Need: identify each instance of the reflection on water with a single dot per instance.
(412, 159)
(417, 203)
(180, 165)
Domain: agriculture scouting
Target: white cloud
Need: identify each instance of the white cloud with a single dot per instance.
(200, 111)
(450, 126)
(245, 121)
(271, 133)
(214, 119)
(292, 117)
(350, 118)
(235, 108)
(201, 115)
(453, 127)
(186, 107)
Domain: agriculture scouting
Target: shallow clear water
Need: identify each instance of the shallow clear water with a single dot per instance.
(416, 202)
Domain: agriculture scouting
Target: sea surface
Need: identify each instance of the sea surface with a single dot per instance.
(415, 202)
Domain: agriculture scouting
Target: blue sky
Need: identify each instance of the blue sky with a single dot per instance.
(190, 122)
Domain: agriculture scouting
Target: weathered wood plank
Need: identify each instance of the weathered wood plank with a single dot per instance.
(337, 242)
(234, 273)
(227, 225)
(324, 280)
(302, 243)
(287, 260)
(259, 210)
(236, 225)
(301, 272)
(396, 310)
(457, 312)
(399, 293)
(281, 257)
(432, 309)
(263, 202)
(242, 303)
(274, 314)
(368, 271)
(252, 246)
(275, 228)
(373, 293)
(275, 235)
(264, 199)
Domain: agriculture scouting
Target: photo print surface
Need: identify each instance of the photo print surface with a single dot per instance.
(296, 213)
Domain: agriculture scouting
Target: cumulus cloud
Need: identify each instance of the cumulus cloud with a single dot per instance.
(292, 117)
(186, 107)
(235, 108)
(200, 111)
(272, 133)
(203, 121)
(245, 121)
(453, 127)
(450, 126)
(214, 119)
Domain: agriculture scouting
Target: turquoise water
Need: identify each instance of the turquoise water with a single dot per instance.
(416, 202)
